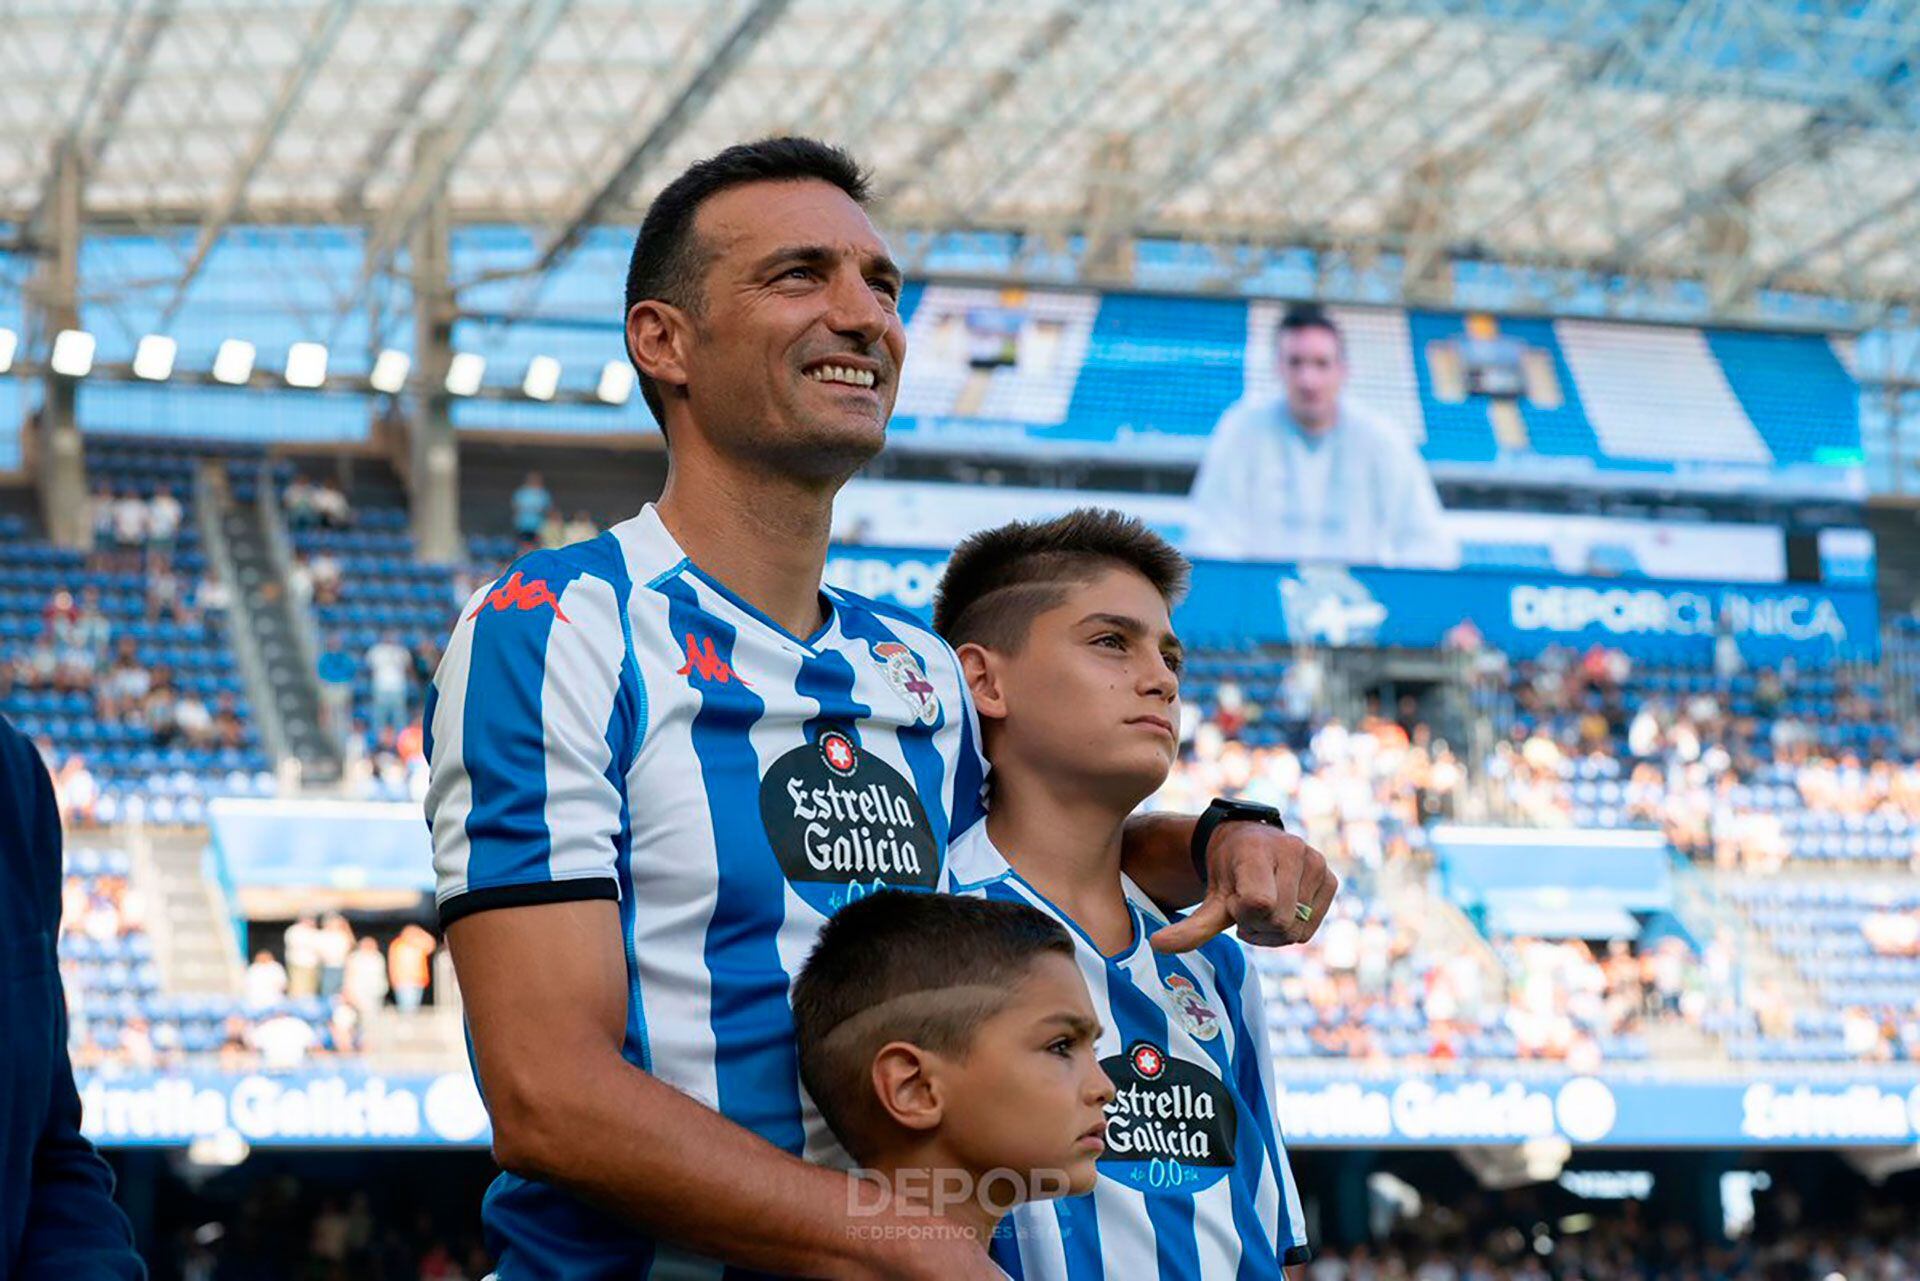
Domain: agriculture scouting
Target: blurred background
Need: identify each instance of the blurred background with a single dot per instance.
(310, 322)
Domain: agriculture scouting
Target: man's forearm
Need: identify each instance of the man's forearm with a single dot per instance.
(1156, 852)
(642, 1150)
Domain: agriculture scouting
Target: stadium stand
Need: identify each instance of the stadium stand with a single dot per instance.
(119, 660)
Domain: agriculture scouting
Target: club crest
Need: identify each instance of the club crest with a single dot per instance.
(904, 673)
(1195, 1014)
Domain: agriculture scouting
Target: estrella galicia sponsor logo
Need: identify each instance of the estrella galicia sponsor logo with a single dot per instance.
(1171, 1124)
(1810, 1113)
(843, 823)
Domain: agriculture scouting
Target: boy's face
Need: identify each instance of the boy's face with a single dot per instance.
(1030, 1096)
(1095, 690)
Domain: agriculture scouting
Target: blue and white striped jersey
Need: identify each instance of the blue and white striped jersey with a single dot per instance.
(609, 722)
(1195, 1184)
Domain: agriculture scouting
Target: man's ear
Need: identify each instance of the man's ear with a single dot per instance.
(982, 669)
(657, 337)
(906, 1081)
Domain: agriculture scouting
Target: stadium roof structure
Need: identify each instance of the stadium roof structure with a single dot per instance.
(1744, 145)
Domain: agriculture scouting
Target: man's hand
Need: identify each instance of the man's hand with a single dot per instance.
(1257, 876)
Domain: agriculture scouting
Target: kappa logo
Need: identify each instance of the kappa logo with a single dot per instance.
(522, 594)
(702, 658)
(909, 680)
(1195, 1014)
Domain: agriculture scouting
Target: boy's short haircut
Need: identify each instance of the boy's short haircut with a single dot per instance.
(927, 969)
(1000, 580)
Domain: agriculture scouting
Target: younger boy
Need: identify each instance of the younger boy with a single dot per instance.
(949, 1043)
(1063, 630)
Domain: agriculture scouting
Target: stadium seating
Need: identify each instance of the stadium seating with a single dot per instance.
(121, 753)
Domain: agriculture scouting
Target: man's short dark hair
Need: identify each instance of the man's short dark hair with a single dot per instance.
(1000, 580)
(927, 969)
(1308, 315)
(668, 259)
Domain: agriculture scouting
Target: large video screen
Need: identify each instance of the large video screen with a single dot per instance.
(1324, 440)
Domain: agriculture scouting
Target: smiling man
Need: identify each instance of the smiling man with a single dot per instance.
(667, 757)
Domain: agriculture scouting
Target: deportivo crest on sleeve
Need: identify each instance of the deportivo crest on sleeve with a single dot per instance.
(909, 680)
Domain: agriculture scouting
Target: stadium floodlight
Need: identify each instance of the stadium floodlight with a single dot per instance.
(390, 370)
(464, 372)
(543, 378)
(233, 363)
(73, 353)
(306, 364)
(616, 382)
(9, 343)
(153, 358)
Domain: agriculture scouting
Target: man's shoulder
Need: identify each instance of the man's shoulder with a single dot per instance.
(1361, 420)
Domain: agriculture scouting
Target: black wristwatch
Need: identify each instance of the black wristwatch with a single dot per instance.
(1222, 810)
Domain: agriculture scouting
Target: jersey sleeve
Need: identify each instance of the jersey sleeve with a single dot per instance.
(533, 721)
(1292, 1228)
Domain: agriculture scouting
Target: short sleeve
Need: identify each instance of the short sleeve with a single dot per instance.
(533, 720)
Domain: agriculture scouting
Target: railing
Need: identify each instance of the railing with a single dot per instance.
(306, 634)
(210, 496)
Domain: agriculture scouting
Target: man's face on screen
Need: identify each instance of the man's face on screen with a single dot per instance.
(796, 356)
(1313, 369)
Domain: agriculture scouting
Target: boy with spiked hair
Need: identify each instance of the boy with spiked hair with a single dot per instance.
(1063, 630)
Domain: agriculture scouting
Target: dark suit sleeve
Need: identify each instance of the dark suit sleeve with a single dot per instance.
(74, 1229)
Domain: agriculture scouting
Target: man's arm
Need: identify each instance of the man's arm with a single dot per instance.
(1256, 875)
(73, 1228)
(569, 1110)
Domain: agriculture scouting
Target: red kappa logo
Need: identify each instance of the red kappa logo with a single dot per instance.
(702, 658)
(523, 596)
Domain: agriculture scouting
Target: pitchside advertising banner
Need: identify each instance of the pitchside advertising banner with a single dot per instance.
(1519, 613)
(369, 1109)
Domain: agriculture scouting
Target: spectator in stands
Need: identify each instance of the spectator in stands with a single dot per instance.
(1314, 475)
(164, 514)
(282, 1042)
(212, 596)
(158, 709)
(77, 793)
(266, 981)
(553, 530)
(130, 525)
(301, 947)
(127, 683)
(408, 961)
(342, 1036)
(236, 1052)
(580, 529)
(195, 722)
(327, 578)
(330, 505)
(335, 945)
(389, 667)
(228, 729)
(366, 983)
(299, 502)
(300, 582)
(101, 510)
(531, 503)
(91, 630)
(165, 595)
